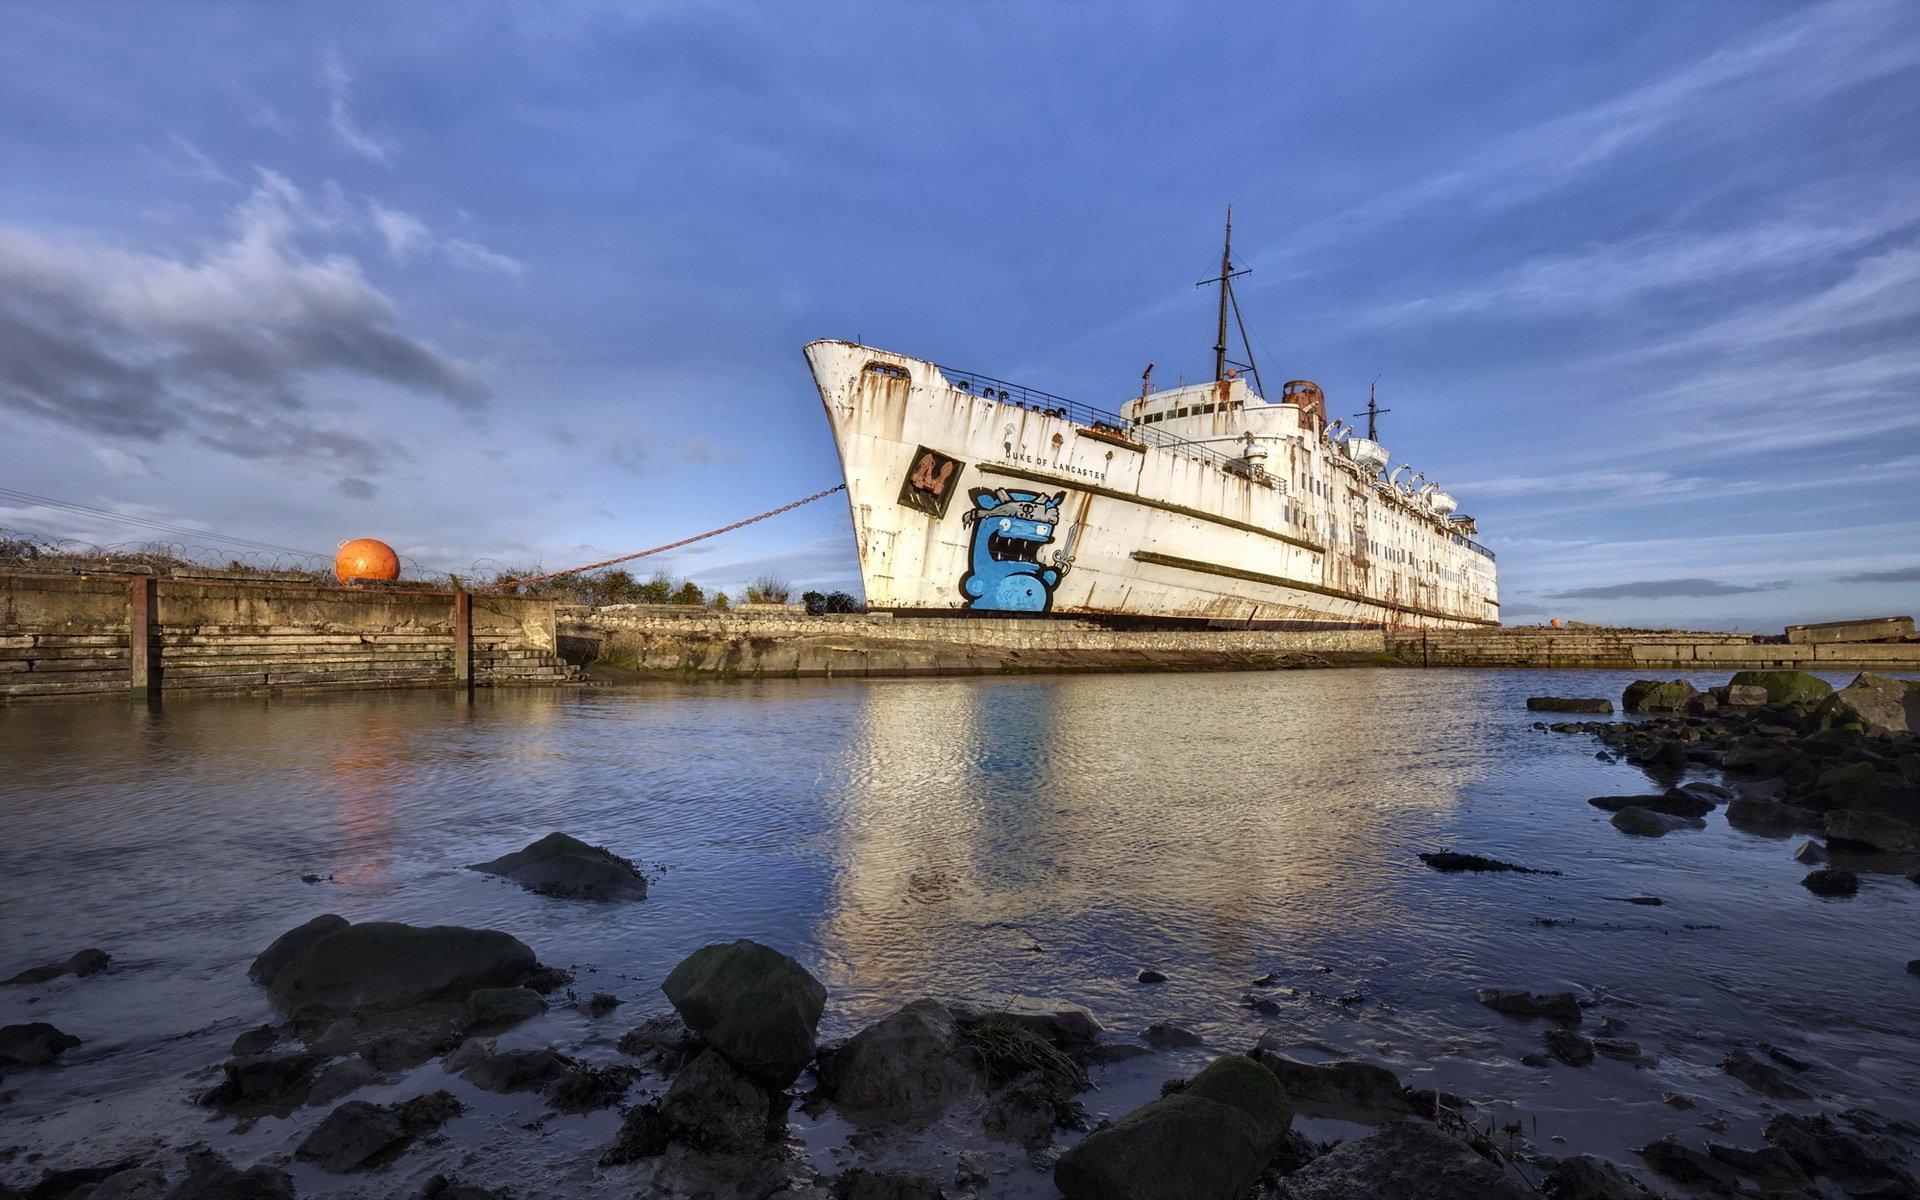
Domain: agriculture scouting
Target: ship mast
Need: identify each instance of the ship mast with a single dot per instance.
(1373, 411)
(1225, 280)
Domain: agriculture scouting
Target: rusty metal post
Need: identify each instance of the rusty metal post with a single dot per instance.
(144, 670)
(463, 640)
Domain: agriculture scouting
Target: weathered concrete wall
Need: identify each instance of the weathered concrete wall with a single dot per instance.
(64, 635)
(1535, 646)
(666, 639)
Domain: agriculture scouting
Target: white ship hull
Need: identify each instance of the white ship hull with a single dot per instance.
(1205, 503)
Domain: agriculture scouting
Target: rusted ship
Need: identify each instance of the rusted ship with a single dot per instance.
(1205, 503)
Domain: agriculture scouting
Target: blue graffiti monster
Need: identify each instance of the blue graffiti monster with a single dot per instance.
(1004, 573)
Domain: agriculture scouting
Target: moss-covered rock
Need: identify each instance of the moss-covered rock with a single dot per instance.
(1207, 1142)
(1846, 783)
(383, 965)
(1653, 695)
(752, 1003)
(1785, 687)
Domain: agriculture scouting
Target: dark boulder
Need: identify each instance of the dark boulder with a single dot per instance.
(1690, 1168)
(135, 1183)
(354, 1137)
(1068, 1026)
(908, 1066)
(1830, 882)
(1852, 829)
(1762, 1077)
(442, 1188)
(1770, 815)
(291, 945)
(566, 867)
(34, 1044)
(61, 1182)
(211, 1177)
(1209, 1141)
(383, 965)
(1770, 1167)
(1859, 1162)
(1584, 1177)
(1652, 695)
(1644, 822)
(1813, 854)
(518, 1070)
(339, 1079)
(263, 1081)
(714, 1106)
(1347, 1089)
(1165, 1035)
(585, 1088)
(85, 962)
(1876, 703)
(1519, 1002)
(1569, 1047)
(862, 1184)
(1674, 802)
(1569, 704)
(752, 1003)
(662, 1041)
(1450, 861)
(1408, 1160)
(490, 1010)
(643, 1134)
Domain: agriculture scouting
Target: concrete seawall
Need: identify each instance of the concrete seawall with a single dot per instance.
(775, 642)
(98, 635)
(1536, 646)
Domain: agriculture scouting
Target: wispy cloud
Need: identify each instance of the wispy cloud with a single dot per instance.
(1897, 575)
(1665, 589)
(340, 118)
(405, 234)
(1605, 276)
(188, 161)
(472, 254)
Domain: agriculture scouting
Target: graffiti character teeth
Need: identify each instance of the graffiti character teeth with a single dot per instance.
(1009, 528)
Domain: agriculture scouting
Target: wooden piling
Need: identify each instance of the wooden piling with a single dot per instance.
(463, 640)
(144, 672)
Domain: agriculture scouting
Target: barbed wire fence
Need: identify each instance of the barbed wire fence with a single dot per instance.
(24, 550)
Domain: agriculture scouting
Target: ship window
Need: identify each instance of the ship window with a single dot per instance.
(890, 371)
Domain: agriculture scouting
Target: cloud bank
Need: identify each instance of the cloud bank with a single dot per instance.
(227, 348)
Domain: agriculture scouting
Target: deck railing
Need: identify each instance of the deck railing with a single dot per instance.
(1048, 404)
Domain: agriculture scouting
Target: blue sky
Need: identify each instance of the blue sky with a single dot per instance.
(528, 283)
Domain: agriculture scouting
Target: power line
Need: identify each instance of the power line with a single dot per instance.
(146, 523)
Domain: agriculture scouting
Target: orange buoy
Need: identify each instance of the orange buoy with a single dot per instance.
(1555, 622)
(365, 558)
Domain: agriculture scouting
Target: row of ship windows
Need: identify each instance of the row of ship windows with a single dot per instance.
(1194, 411)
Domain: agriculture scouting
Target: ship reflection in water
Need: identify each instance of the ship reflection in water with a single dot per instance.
(993, 830)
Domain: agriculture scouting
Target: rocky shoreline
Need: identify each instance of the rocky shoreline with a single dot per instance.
(707, 1093)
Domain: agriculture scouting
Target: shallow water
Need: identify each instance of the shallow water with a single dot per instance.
(1049, 837)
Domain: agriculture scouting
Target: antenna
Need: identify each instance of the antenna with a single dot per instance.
(1373, 411)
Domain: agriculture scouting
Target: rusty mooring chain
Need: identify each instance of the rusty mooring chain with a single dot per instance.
(508, 583)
